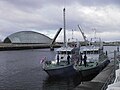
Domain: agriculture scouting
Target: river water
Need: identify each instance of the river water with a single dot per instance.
(21, 70)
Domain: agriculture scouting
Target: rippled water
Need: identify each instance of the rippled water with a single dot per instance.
(22, 70)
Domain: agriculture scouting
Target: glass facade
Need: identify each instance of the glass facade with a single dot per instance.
(27, 37)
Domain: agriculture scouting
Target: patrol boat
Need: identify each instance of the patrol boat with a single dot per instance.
(61, 65)
(93, 60)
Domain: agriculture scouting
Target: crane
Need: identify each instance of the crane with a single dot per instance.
(84, 37)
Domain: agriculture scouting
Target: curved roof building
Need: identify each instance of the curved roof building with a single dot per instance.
(27, 37)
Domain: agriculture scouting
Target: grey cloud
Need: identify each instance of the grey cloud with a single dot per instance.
(29, 5)
(99, 2)
(26, 5)
(35, 3)
(47, 15)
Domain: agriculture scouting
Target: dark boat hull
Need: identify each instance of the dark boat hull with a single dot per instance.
(69, 70)
(94, 70)
(62, 71)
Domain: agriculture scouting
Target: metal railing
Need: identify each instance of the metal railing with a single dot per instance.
(111, 78)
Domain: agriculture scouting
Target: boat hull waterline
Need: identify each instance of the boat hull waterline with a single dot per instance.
(69, 70)
(61, 71)
(94, 70)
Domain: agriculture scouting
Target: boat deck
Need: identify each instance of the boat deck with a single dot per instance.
(53, 66)
(89, 66)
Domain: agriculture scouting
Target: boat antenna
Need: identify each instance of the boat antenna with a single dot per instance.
(94, 29)
(72, 33)
(65, 43)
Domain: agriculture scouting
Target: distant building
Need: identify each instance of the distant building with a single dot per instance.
(27, 37)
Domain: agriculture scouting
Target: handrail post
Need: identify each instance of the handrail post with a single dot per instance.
(115, 57)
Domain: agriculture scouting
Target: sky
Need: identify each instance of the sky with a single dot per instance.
(46, 17)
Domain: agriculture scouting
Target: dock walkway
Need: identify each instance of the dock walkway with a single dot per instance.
(99, 81)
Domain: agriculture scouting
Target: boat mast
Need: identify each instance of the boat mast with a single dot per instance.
(65, 43)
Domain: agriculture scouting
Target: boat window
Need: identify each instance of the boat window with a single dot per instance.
(65, 52)
(68, 52)
(73, 52)
(91, 52)
(96, 52)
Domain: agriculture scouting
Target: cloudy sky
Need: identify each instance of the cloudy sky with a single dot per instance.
(46, 16)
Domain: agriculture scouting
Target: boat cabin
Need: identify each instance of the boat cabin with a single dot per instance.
(92, 53)
(90, 50)
(63, 52)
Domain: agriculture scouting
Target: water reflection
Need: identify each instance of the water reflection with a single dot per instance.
(66, 83)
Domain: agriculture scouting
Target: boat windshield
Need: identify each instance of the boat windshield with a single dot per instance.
(64, 52)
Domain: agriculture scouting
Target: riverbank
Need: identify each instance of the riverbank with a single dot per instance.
(10, 46)
(4, 47)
